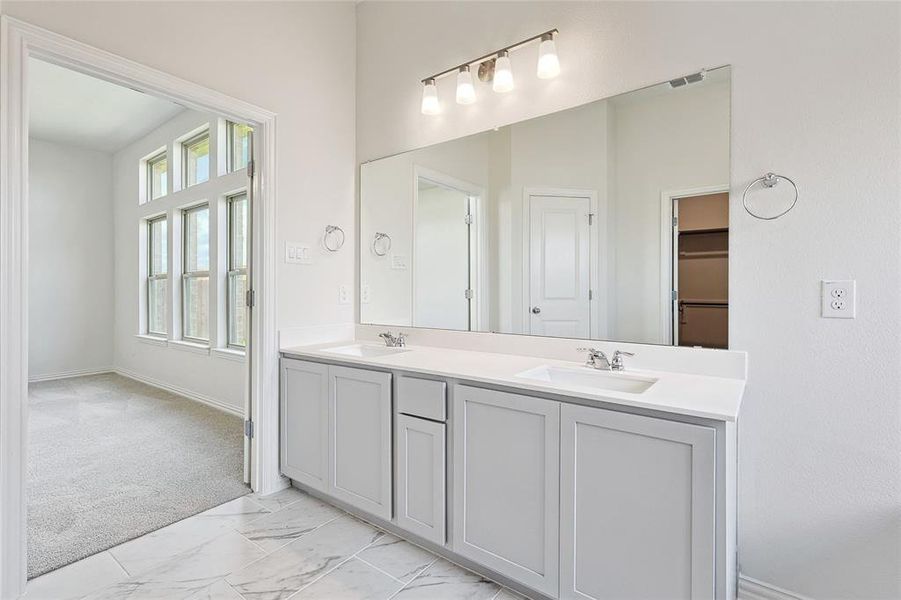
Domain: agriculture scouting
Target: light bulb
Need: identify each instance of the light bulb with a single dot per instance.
(503, 73)
(466, 92)
(430, 104)
(548, 63)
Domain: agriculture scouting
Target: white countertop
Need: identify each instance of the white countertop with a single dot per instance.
(703, 396)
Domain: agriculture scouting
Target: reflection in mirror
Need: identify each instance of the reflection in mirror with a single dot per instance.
(605, 221)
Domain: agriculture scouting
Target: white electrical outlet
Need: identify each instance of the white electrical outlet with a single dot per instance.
(343, 294)
(298, 253)
(365, 294)
(839, 299)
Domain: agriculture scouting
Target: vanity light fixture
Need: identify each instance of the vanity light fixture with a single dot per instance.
(494, 67)
(466, 91)
(548, 63)
(430, 105)
(503, 73)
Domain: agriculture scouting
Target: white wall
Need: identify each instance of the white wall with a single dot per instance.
(815, 95)
(70, 327)
(295, 59)
(215, 376)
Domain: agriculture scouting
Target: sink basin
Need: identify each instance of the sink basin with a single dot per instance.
(584, 377)
(365, 350)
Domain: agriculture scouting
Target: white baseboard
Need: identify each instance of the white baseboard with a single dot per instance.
(753, 589)
(181, 392)
(65, 374)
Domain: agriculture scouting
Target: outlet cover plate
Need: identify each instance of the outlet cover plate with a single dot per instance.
(839, 299)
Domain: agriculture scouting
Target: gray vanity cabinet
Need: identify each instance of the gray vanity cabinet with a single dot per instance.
(506, 484)
(637, 507)
(420, 457)
(359, 438)
(304, 422)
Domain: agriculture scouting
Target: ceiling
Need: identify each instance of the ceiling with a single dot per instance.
(71, 108)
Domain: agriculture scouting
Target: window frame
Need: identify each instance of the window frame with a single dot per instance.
(186, 275)
(231, 270)
(230, 146)
(151, 275)
(156, 158)
(185, 145)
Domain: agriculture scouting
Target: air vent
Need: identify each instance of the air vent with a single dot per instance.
(693, 78)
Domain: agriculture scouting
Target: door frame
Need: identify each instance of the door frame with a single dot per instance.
(597, 269)
(668, 256)
(20, 41)
(478, 244)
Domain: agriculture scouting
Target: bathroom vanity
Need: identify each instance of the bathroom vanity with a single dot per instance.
(489, 440)
(559, 479)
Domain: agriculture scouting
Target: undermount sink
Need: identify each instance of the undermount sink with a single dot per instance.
(365, 350)
(584, 377)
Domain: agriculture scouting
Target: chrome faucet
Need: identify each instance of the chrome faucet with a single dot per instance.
(398, 341)
(617, 364)
(596, 359)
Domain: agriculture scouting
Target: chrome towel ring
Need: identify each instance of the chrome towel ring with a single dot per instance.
(333, 239)
(768, 181)
(381, 244)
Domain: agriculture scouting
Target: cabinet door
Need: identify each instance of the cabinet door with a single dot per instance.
(304, 422)
(506, 484)
(360, 439)
(636, 506)
(420, 477)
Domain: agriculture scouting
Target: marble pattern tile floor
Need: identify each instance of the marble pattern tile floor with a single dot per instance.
(286, 545)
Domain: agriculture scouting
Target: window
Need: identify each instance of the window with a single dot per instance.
(196, 159)
(237, 270)
(157, 176)
(238, 145)
(157, 276)
(196, 274)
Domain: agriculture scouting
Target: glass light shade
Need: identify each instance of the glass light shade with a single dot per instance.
(466, 92)
(430, 104)
(503, 74)
(548, 63)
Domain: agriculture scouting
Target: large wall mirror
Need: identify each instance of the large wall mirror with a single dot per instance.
(605, 221)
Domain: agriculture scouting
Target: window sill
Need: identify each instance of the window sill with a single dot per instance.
(190, 347)
(230, 354)
(153, 340)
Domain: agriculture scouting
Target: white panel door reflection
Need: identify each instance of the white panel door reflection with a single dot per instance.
(559, 303)
(441, 260)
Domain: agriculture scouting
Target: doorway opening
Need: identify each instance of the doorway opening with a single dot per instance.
(139, 227)
(25, 44)
(699, 264)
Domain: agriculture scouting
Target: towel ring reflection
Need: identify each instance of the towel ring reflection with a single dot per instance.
(768, 181)
(333, 239)
(381, 244)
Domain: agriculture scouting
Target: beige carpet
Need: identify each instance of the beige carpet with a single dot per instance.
(110, 459)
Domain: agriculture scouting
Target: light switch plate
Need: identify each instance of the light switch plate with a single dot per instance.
(365, 294)
(839, 299)
(398, 262)
(298, 253)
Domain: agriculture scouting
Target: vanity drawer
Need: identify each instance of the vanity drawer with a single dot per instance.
(424, 398)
